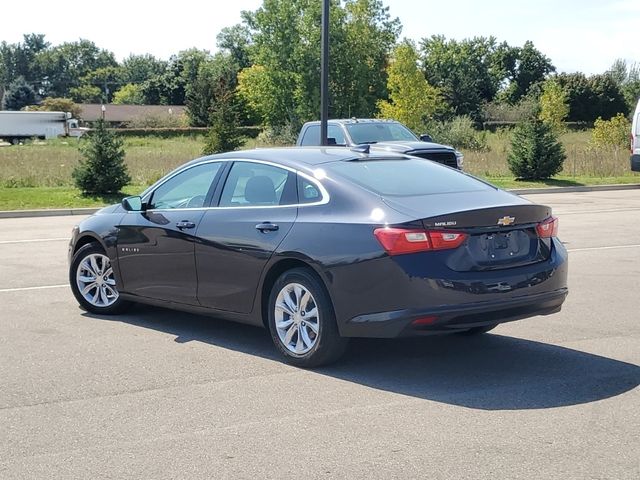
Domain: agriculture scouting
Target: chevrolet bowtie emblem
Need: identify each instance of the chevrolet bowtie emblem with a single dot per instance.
(506, 221)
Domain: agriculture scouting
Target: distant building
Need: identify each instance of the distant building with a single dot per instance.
(133, 115)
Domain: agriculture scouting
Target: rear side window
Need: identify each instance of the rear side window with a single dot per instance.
(406, 177)
(254, 184)
(308, 192)
(312, 135)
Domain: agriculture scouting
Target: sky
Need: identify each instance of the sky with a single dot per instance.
(578, 35)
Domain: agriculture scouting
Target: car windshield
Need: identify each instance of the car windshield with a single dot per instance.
(379, 132)
(406, 177)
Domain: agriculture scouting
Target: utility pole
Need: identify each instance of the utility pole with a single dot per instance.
(324, 74)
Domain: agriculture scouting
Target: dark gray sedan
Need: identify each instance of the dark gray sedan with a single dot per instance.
(322, 244)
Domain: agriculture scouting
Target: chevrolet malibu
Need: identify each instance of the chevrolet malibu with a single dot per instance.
(322, 244)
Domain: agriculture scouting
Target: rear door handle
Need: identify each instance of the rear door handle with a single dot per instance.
(185, 224)
(267, 227)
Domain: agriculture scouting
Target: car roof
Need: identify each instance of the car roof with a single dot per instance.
(300, 157)
(347, 121)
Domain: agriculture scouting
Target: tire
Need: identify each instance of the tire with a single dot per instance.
(302, 321)
(100, 296)
(478, 330)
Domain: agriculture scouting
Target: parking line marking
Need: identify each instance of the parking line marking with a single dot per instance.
(33, 240)
(21, 289)
(610, 247)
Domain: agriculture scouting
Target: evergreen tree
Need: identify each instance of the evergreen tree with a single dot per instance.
(19, 95)
(536, 153)
(225, 134)
(103, 170)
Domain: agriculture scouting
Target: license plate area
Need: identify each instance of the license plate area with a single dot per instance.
(500, 247)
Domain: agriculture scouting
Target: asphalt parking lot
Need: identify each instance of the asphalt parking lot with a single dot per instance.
(159, 394)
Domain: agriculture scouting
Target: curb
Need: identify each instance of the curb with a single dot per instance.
(52, 212)
(581, 188)
(59, 212)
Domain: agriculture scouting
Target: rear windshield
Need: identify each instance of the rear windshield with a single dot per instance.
(406, 177)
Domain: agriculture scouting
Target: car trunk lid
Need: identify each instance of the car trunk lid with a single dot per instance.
(499, 234)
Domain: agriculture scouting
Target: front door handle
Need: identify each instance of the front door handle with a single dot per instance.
(267, 227)
(185, 224)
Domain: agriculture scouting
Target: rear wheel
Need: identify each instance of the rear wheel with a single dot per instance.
(302, 322)
(93, 282)
(478, 330)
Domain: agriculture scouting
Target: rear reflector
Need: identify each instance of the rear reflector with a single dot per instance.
(398, 241)
(421, 322)
(548, 228)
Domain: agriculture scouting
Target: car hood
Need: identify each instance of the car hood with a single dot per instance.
(402, 147)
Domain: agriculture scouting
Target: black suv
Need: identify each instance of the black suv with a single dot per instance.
(382, 135)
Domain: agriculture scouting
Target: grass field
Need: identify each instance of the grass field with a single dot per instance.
(38, 174)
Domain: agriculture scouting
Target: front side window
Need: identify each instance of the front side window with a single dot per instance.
(254, 184)
(187, 189)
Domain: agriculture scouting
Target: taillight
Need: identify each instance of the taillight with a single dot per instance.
(548, 228)
(398, 241)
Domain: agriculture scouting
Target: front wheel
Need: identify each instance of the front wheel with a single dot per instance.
(302, 322)
(93, 282)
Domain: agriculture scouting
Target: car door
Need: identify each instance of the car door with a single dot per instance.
(256, 209)
(156, 246)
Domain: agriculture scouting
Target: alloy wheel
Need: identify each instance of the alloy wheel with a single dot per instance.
(297, 319)
(95, 280)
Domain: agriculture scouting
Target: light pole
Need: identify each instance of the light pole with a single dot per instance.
(103, 110)
(324, 74)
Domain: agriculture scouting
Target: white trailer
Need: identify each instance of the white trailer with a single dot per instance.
(16, 126)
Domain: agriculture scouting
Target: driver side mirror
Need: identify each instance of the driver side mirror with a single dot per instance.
(132, 204)
(425, 137)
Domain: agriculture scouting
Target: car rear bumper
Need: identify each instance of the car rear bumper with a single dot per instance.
(635, 163)
(449, 319)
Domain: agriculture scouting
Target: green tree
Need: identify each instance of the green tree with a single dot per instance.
(86, 94)
(140, 68)
(19, 59)
(62, 67)
(536, 153)
(467, 72)
(554, 106)
(412, 100)
(532, 67)
(592, 97)
(283, 81)
(627, 77)
(236, 41)
(216, 78)
(19, 95)
(129, 94)
(103, 169)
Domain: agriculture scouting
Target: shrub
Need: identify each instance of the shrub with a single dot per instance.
(103, 170)
(161, 120)
(611, 133)
(536, 153)
(56, 104)
(459, 132)
(279, 136)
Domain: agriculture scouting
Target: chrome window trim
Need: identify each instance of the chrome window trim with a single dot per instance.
(323, 192)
